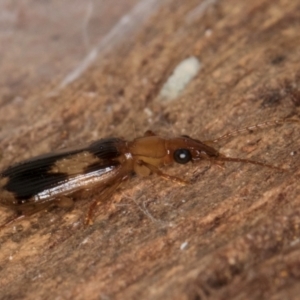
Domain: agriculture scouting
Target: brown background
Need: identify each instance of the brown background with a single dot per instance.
(234, 233)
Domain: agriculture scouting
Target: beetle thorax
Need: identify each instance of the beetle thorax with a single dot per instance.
(149, 150)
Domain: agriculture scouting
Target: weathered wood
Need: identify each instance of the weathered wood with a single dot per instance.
(234, 233)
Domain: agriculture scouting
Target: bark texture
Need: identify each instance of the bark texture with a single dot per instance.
(234, 233)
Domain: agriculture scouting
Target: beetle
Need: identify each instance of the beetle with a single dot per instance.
(55, 178)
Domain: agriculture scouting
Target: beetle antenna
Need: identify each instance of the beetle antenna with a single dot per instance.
(254, 127)
(249, 161)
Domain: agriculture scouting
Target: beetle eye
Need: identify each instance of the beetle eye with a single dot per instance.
(182, 156)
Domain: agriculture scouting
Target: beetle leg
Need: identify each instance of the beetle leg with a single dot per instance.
(12, 220)
(26, 210)
(157, 171)
(104, 194)
(64, 202)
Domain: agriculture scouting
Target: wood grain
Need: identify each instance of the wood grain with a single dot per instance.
(234, 233)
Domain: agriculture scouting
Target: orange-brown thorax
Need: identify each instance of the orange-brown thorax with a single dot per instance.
(157, 151)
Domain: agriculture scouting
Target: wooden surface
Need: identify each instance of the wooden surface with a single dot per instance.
(234, 233)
